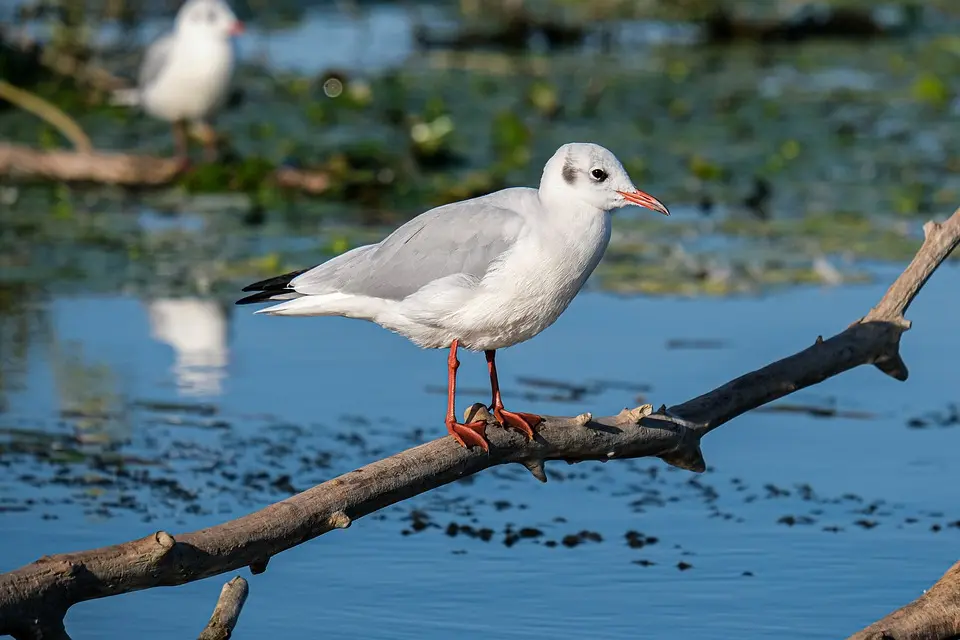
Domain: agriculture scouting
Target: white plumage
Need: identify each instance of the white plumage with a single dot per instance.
(186, 74)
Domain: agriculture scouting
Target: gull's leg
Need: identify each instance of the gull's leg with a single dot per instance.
(522, 422)
(181, 142)
(209, 137)
(471, 433)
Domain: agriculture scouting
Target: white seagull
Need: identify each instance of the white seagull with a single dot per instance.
(186, 74)
(484, 273)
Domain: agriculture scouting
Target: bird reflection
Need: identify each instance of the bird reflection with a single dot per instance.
(197, 329)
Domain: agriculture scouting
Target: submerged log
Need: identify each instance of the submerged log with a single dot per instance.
(98, 167)
(126, 169)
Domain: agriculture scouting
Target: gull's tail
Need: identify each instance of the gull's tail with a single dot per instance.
(293, 303)
(276, 288)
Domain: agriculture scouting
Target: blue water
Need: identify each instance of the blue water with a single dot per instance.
(370, 581)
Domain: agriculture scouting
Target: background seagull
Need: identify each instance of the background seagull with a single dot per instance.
(485, 273)
(185, 74)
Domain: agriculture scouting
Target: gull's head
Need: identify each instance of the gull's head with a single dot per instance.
(207, 18)
(591, 175)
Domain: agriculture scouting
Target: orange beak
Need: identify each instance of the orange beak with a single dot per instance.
(645, 200)
(237, 28)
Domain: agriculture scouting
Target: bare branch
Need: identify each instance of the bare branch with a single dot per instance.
(44, 590)
(940, 239)
(47, 112)
(312, 182)
(127, 169)
(874, 339)
(227, 611)
(933, 616)
(97, 166)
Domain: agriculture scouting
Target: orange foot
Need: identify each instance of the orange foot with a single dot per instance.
(522, 422)
(471, 434)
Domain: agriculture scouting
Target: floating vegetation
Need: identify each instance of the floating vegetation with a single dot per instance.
(725, 139)
(166, 469)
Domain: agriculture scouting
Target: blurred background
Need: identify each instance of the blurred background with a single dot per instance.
(799, 145)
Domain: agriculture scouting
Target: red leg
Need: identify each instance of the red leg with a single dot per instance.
(209, 136)
(181, 141)
(522, 422)
(472, 433)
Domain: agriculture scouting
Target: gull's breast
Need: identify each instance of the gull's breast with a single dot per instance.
(531, 288)
(194, 82)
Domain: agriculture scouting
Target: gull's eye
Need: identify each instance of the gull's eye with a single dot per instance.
(599, 175)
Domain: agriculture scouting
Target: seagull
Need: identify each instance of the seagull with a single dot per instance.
(483, 274)
(185, 74)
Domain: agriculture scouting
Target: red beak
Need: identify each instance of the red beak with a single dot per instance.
(237, 28)
(644, 200)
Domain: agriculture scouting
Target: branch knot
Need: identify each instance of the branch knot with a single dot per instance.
(340, 520)
(583, 419)
(535, 467)
(165, 540)
(637, 414)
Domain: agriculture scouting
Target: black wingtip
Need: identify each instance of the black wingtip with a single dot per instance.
(275, 284)
(260, 296)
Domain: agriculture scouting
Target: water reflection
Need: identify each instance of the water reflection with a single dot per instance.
(90, 395)
(21, 321)
(197, 330)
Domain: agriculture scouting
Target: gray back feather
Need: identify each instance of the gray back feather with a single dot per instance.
(154, 60)
(460, 238)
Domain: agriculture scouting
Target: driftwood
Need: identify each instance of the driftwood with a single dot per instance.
(86, 165)
(227, 612)
(125, 169)
(35, 598)
(48, 112)
(933, 616)
(98, 167)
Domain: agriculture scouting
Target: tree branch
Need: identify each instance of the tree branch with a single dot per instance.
(100, 167)
(126, 169)
(37, 596)
(874, 339)
(47, 112)
(227, 611)
(933, 616)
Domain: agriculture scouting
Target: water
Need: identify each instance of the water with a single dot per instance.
(321, 374)
(223, 412)
(346, 39)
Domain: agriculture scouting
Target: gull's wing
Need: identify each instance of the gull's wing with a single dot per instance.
(460, 238)
(154, 60)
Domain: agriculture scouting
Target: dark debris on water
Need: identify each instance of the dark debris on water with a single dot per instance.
(174, 472)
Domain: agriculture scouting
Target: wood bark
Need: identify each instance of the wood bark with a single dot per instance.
(935, 615)
(35, 598)
(100, 167)
(125, 169)
(227, 612)
(49, 113)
